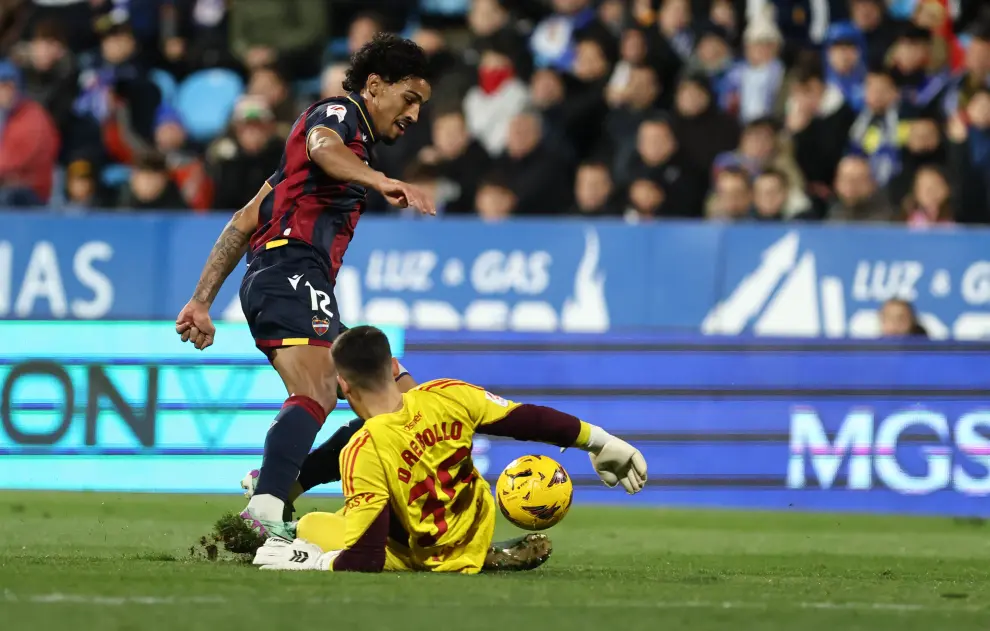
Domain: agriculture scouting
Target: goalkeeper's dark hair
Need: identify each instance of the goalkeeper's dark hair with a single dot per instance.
(363, 357)
(389, 56)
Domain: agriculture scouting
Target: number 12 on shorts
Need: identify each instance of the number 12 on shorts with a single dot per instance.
(319, 300)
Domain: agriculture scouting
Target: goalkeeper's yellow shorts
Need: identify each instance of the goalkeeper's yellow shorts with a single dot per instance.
(328, 530)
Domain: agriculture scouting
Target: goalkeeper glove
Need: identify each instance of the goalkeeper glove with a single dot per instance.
(615, 461)
(618, 462)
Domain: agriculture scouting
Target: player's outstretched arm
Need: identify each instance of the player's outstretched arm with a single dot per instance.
(328, 151)
(614, 460)
(193, 322)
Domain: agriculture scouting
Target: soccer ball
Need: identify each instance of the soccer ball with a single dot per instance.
(534, 492)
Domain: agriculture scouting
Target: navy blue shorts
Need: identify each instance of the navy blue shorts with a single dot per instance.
(287, 298)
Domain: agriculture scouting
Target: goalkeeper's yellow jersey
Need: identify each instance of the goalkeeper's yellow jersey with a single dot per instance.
(417, 463)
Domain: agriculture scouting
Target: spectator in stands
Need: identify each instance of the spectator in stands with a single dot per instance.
(269, 84)
(585, 108)
(976, 70)
(250, 154)
(195, 37)
(659, 158)
(458, 159)
(14, 18)
(547, 92)
(490, 20)
(632, 54)
(50, 72)
(922, 87)
(923, 147)
(646, 199)
(291, 33)
(82, 191)
(803, 23)
(845, 67)
(29, 144)
(878, 30)
(487, 17)
(186, 168)
(78, 14)
(703, 131)
(677, 39)
(150, 187)
(630, 108)
(116, 106)
(713, 56)
(936, 16)
(969, 159)
(332, 81)
(498, 97)
(594, 190)
(750, 90)
(929, 202)
(495, 199)
(899, 319)
(553, 39)
(450, 78)
(539, 177)
(770, 192)
(612, 15)
(818, 120)
(857, 195)
(759, 149)
(881, 128)
(722, 13)
(733, 196)
(362, 30)
(144, 18)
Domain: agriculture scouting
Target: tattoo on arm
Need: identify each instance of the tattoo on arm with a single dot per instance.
(224, 256)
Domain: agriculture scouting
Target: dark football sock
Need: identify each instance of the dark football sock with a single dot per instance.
(322, 465)
(289, 440)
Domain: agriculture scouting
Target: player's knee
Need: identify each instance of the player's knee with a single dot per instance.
(319, 392)
(327, 530)
(327, 399)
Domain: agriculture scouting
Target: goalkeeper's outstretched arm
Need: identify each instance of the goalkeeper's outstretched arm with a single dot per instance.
(615, 460)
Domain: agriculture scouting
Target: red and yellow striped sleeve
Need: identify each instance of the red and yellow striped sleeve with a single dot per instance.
(470, 402)
(492, 415)
(366, 511)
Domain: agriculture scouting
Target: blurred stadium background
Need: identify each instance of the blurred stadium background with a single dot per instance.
(746, 235)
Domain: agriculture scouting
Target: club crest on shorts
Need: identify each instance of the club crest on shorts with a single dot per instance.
(320, 326)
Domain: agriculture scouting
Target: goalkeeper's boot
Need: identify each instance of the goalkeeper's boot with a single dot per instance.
(524, 553)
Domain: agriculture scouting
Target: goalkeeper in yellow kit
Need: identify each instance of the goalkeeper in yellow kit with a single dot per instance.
(414, 499)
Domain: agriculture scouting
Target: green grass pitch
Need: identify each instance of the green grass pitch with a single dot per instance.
(108, 562)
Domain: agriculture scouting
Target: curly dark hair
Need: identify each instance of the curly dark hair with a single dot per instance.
(389, 56)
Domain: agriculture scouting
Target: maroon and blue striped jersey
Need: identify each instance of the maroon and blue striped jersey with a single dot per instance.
(305, 204)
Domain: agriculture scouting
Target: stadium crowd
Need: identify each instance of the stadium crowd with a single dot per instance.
(845, 110)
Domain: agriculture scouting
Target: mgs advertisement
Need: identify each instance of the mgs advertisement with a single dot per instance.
(822, 422)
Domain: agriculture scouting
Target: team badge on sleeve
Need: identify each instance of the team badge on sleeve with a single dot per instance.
(497, 400)
(321, 326)
(336, 111)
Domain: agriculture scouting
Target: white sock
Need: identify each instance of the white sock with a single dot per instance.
(266, 507)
